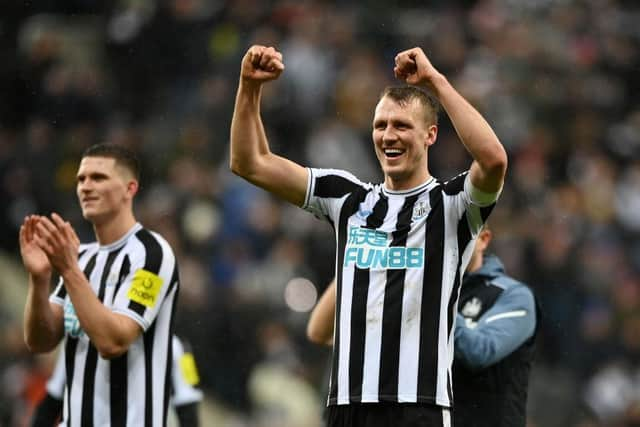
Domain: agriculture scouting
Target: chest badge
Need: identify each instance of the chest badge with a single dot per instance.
(419, 210)
(472, 308)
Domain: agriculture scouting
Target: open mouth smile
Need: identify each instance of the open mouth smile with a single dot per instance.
(393, 152)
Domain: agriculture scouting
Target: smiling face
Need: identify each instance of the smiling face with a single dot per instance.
(401, 136)
(105, 189)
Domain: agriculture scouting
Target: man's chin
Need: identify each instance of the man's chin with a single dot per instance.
(89, 215)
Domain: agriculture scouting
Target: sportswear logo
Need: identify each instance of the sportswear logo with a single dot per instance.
(112, 279)
(145, 287)
(363, 212)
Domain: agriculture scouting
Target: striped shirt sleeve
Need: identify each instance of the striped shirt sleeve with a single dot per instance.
(327, 189)
(60, 292)
(470, 201)
(152, 275)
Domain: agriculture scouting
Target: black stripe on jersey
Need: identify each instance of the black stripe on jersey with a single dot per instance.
(148, 371)
(359, 309)
(69, 365)
(118, 390)
(392, 308)
(175, 279)
(464, 237)
(71, 344)
(62, 292)
(485, 211)
(105, 273)
(378, 213)
(92, 352)
(454, 185)
(358, 332)
(125, 269)
(431, 292)
(349, 207)
(334, 186)
(82, 252)
(152, 262)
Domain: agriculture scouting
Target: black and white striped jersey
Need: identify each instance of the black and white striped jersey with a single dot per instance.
(137, 276)
(400, 257)
(184, 375)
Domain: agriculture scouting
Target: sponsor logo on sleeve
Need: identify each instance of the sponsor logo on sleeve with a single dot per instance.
(145, 288)
(188, 369)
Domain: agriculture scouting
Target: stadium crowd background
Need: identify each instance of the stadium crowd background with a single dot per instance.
(559, 80)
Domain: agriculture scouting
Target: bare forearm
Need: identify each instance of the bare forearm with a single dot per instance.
(42, 328)
(475, 133)
(251, 157)
(104, 328)
(248, 138)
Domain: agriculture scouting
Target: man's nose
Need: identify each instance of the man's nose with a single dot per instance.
(389, 134)
(85, 186)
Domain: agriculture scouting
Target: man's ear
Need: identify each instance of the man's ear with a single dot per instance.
(432, 135)
(132, 187)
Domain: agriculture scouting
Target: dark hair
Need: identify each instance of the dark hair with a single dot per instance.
(403, 95)
(122, 155)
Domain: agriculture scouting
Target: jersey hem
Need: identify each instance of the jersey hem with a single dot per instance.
(430, 400)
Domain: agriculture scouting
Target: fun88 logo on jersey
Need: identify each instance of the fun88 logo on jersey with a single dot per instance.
(368, 248)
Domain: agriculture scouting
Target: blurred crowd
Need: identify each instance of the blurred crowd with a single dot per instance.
(558, 80)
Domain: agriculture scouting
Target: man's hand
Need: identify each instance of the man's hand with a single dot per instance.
(261, 64)
(413, 67)
(34, 257)
(59, 241)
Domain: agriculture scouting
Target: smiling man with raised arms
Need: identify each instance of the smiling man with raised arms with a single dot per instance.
(402, 246)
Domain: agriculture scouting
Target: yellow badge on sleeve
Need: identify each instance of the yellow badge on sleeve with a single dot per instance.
(188, 369)
(145, 288)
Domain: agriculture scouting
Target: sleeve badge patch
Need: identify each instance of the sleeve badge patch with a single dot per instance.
(188, 369)
(145, 288)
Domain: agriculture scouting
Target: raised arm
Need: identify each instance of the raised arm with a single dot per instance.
(110, 332)
(251, 157)
(320, 326)
(490, 159)
(43, 325)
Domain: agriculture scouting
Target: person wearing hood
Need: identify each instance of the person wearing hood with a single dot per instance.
(495, 334)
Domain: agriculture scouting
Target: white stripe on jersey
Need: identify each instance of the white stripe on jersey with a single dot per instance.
(345, 340)
(373, 338)
(410, 331)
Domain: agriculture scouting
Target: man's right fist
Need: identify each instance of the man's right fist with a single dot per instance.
(261, 64)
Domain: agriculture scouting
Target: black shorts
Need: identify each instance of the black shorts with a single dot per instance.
(388, 415)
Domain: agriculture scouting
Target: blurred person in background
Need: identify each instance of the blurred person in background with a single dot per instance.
(185, 396)
(389, 370)
(494, 341)
(114, 301)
